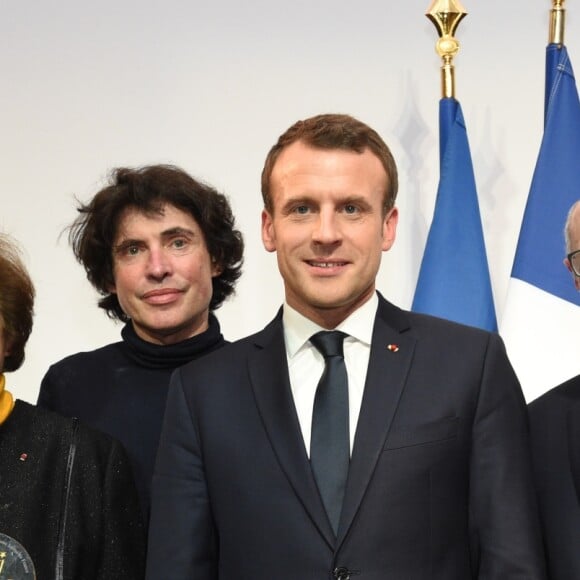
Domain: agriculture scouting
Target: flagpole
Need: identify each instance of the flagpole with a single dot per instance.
(557, 22)
(446, 16)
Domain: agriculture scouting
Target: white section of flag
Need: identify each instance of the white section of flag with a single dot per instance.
(541, 335)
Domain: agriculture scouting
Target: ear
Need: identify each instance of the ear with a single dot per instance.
(390, 228)
(7, 347)
(111, 286)
(268, 234)
(216, 269)
(576, 278)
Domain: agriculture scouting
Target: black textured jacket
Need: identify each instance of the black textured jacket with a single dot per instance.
(67, 495)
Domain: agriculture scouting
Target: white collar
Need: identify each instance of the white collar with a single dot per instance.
(298, 329)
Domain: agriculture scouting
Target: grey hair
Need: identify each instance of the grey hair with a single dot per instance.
(568, 227)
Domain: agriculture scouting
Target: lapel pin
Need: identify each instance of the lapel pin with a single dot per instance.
(23, 457)
(393, 347)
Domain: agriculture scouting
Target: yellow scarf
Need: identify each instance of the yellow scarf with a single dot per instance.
(6, 401)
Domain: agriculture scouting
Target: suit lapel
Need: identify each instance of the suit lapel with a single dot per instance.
(573, 432)
(389, 363)
(268, 369)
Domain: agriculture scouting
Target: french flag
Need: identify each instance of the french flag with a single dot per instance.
(541, 320)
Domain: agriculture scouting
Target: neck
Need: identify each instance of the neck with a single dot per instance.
(6, 401)
(173, 335)
(329, 318)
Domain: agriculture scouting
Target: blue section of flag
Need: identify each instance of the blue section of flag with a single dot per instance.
(454, 280)
(555, 185)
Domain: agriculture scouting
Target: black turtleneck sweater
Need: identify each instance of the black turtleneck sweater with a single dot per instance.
(121, 389)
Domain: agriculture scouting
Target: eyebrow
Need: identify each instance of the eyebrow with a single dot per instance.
(343, 200)
(298, 200)
(357, 199)
(177, 231)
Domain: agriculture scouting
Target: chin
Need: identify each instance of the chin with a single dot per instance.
(323, 304)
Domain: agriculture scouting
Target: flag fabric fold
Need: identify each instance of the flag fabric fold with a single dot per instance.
(541, 321)
(454, 281)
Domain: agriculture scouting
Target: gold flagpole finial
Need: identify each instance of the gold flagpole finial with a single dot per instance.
(446, 16)
(557, 22)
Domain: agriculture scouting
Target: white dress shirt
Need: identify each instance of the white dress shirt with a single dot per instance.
(306, 364)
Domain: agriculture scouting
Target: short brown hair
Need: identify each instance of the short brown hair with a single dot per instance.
(148, 189)
(16, 303)
(333, 131)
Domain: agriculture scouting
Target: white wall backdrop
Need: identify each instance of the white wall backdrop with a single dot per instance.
(209, 86)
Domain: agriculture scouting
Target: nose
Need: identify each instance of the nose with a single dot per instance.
(158, 264)
(327, 228)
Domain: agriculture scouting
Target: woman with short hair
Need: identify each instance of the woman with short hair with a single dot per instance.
(68, 503)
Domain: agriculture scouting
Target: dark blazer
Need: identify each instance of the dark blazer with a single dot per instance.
(439, 483)
(555, 435)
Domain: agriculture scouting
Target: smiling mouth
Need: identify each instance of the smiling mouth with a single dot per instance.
(161, 297)
(318, 264)
(160, 292)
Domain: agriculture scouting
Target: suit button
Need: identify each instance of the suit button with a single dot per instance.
(341, 573)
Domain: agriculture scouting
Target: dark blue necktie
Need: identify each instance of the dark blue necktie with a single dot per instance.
(330, 442)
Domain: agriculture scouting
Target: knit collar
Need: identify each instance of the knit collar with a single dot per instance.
(6, 401)
(158, 356)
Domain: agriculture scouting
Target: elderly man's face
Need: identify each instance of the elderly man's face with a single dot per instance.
(574, 234)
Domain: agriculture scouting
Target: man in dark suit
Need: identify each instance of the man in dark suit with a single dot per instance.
(398, 451)
(555, 436)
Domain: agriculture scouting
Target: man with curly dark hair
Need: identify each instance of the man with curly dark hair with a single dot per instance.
(162, 251)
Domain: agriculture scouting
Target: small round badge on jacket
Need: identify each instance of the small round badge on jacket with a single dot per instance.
(15, 562)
